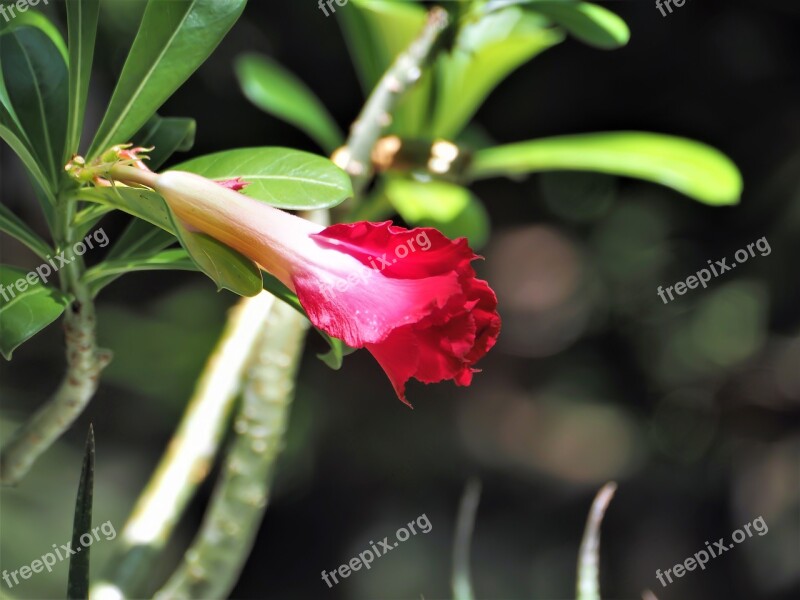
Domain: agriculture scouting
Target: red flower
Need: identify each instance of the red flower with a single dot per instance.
(410, 297)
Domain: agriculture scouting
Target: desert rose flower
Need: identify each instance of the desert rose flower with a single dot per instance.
(410, 297)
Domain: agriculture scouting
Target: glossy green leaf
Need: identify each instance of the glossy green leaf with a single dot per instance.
(226, 267)
(450, 208)
(78, 579)
(692, 168)
(590, 23)
(36, 82)
(174, 39)
(25, 309)
(166, 135)
(338, 349)
(82, 18)
(486, 52)
(141, 203)
(278, 92)
(278, 176)
(14, 226)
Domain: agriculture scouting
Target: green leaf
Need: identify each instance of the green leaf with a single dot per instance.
(590, 23)
(35, 78)
(281, 177)
(140, 238)
(174, 39)
(36, 19)
(141, 203)
(78, 580)
(486, 52)
(692, 168)
(175, 259)
(226, 267)
(25, 310)
(450, 208)
(168, 135)
(13, 225)
(338, 349)
(30, 162)
(82, 18)
(278, 92)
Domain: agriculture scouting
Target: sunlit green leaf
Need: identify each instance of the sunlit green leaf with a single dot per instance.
(278, 176)
(486, 52)
(33, 18)
(174, 39)
(590, 23)
(25, 308)
(692, 168)
(278, 92)
(448, 207)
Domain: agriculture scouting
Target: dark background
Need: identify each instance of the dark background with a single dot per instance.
(693, 408)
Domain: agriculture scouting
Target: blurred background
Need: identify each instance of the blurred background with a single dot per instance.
(692, 407)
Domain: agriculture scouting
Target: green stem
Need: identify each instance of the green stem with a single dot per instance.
(588, 587)
(215, 559)
(376, 114)
(85, 361)
(190, 454)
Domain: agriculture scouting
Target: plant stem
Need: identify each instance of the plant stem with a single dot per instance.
(588, 587)
(85, 361)
(190, 454)
(215, 559)
(406, 70)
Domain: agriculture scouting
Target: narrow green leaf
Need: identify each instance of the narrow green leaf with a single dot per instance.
(140, 238)
(78, 580)
(36, 82)
(338, 349)
(692, 168)
(174, 39)
(226, 267)
(450, 208)
(167, 135)
(13, 225)
(281, 177)
(486, 51)
(590, 23)
(31, 164)
(141, 203)
(82, 18)
(279, 92)
(175, 259)
(25, 308)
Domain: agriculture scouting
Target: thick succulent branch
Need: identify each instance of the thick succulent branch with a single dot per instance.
(406, 70)
(191, 451)
(216, 557)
